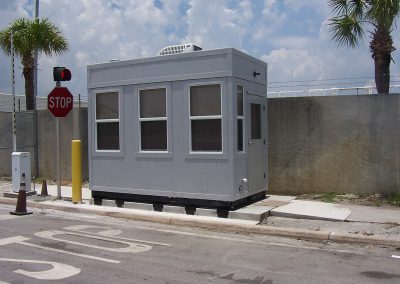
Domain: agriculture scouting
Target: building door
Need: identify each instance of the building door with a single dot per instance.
(257, 143)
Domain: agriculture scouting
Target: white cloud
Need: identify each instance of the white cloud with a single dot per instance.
(292, 35)
(290, 64)
(213, 24)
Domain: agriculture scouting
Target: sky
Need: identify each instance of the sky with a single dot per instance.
(292, 36)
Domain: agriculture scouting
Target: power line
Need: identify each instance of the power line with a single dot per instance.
(322, 80)
(326, 84)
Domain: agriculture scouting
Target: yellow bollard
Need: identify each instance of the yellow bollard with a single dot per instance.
(76, 171)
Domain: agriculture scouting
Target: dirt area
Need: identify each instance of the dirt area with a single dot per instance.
(392, 200)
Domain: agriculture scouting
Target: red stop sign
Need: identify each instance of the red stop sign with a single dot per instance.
(60, 101)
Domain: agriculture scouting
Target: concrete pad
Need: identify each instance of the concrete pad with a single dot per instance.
(271, 203)
(138, 206)
(312, 210)
(107, 202)
(285, 198)
(372, 214)
(206, 212)
(66, 191)
(174, 209)
(252, 212)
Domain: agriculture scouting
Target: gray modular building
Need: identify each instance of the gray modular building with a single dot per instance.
(186, 128)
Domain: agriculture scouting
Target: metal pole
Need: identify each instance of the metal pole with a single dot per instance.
(35, 91)
(58, 84)
(58, 158)
(14, 126)
(36, 59)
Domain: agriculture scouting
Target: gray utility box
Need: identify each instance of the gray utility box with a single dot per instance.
(186, 129)
(21, 164)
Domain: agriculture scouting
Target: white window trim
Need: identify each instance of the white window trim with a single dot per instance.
(161, 118)
(241, 117)
(96, 121)
(206, 117)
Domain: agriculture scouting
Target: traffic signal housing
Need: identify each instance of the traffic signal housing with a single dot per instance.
(61, 74)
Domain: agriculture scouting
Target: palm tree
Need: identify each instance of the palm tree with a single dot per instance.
(378, 17)
(30, 35)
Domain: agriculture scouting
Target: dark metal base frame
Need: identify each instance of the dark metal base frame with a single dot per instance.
(189, 203)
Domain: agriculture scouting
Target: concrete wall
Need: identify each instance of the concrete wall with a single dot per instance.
(25, 139)
(345, 144)
(316, 144)
(46, 141)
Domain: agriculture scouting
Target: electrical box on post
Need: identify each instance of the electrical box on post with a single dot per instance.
(21, 163)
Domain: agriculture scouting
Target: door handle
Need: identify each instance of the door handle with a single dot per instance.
(251, 142)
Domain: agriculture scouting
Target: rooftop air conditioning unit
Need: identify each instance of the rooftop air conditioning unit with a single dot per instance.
(180, 48)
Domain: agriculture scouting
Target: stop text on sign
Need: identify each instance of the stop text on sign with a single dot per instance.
(59, 102)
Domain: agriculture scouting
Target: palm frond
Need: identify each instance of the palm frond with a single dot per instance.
(357, 8)
(31, 35)
(346, 30)
(339, 7)
(384, 12)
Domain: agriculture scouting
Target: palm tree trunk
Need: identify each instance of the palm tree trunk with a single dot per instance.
(28, 63)
(382, 73)
(381, 47)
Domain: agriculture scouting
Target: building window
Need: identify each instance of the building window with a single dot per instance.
(239, 100)
(153, 119)
(107, 121)
(206, 118)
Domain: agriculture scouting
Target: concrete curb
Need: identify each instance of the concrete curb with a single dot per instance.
(220, 224)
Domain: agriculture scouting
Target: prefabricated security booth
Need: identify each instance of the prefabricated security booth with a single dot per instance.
(184, 128)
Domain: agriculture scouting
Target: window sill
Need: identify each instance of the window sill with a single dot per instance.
(106, 153)
(153, 154)
(206, 155)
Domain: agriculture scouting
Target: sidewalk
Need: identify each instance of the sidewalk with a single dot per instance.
(276, 215)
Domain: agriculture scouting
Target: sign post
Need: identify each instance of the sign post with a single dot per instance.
(59, 103)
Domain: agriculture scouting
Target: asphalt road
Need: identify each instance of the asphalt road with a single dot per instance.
(53, 246)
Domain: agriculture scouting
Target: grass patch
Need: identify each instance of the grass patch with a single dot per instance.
(393, 199)
(329, 197)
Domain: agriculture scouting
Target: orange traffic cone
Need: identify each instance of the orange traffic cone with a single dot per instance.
(21, 202)
(44, 189)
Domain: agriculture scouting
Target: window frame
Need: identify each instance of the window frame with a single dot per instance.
(119, 120)
(154, 153)
(241, 117)
(206, 117)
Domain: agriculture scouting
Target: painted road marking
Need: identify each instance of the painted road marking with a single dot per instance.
(71, 253)
(57, 272)
(107, 232)
(396, 256)
(13, 240)
(132, 247)
(22, 240)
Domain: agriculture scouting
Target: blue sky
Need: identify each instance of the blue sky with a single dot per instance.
(292, 36)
